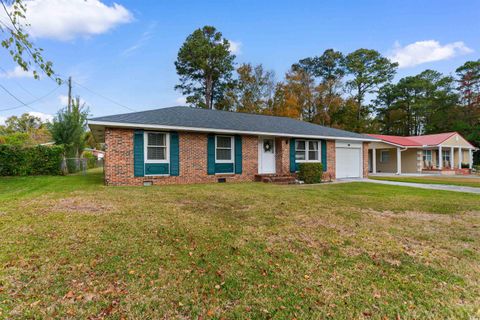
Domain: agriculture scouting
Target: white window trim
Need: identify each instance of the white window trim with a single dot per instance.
(382, 152)
(319, 151)
(424, 155)
(145, 147)
(232, 151)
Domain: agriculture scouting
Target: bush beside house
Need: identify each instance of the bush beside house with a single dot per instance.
(310, 172)
(24, 161)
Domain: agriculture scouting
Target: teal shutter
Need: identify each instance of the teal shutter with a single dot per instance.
(293, 166)
(238, 154)
(324, 155)
(211, 154)
(174, 154)
(138, 157)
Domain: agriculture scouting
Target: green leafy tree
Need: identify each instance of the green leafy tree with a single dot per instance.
(468, 80)
(69, 128)
(25, 123)
(368, 70)
(253, 90)
(17, 43)
(205, 66)
(425, 103)
(329, 68)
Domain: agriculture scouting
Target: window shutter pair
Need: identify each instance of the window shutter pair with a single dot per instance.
(139, 157)
(211, 154)
(293, 165)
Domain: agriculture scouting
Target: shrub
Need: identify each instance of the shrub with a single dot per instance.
(465, 165)
(310, 172)
(38, 160)
(91, 159)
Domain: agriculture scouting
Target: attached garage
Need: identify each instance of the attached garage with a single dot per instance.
(348, 157)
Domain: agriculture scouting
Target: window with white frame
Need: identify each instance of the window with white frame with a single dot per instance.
(223, 149)
(384, 156)
(446, 156)
(307, 151)
(427, 155)
(156, 147)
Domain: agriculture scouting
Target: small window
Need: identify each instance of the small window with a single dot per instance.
(446, 156)
(427, 155)
(384, 156)
(307, 151)
(156, 144)
(300, 150)
(223, 149)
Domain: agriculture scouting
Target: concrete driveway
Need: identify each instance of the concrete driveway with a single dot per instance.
(422, 185)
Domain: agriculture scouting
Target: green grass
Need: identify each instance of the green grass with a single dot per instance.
(72, 248)
(455, 181)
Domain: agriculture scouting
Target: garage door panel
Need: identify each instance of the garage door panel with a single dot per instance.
(348, 162)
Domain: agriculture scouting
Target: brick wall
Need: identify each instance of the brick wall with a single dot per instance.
(193, 160)
(282, 158)
(365, 159)
(330, 173)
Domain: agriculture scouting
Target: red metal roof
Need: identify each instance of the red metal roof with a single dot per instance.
(415, 141)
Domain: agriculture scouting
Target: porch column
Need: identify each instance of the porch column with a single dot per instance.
(374, 160)
(470, 158)
(452, 158)
(440, 158)
(399, 161)
(460, 158)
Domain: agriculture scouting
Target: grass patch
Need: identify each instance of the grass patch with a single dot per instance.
(455, 181)
(72, 248)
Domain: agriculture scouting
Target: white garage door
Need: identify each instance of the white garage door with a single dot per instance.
(348, 160)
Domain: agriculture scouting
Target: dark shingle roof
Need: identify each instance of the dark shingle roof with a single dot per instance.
(225, 120)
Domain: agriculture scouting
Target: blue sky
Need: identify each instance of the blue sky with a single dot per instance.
(124, 50)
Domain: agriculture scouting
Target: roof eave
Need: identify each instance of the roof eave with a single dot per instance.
(197, 129)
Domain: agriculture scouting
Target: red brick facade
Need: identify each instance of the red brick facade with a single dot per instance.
(365, 159)
(193, 159)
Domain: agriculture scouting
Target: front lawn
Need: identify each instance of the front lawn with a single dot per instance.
(455, 181)
(72, 248)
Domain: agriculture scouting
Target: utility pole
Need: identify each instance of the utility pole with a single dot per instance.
(69, 104)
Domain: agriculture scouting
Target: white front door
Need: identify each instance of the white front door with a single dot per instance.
(266, 155)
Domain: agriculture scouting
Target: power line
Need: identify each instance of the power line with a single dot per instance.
(104, 97)
(33, 101)
(15, 97)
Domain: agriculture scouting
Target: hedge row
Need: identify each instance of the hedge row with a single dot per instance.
(38, 160)
(310, 172)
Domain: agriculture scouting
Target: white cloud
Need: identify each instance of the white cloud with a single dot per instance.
(181, 101)
(426, 51)
(43, 116)
(235, 47)
(16, 72)
(144, 38)
(68, 19)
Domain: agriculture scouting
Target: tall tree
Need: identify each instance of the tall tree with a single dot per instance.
(205, 65)
(369, 70)
(296, 97)
(254, 89)
(425, 103)
(16, 41)
(468, 79)
(25, 123)
(329, 68)
(69, 128)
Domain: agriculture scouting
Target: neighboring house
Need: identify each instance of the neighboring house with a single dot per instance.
(434, 153)
(99, 154)
(190, 145)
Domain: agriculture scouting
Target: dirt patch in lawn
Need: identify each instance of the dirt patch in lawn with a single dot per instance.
(73, 204)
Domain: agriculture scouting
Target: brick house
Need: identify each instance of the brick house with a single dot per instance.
(188, 145)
